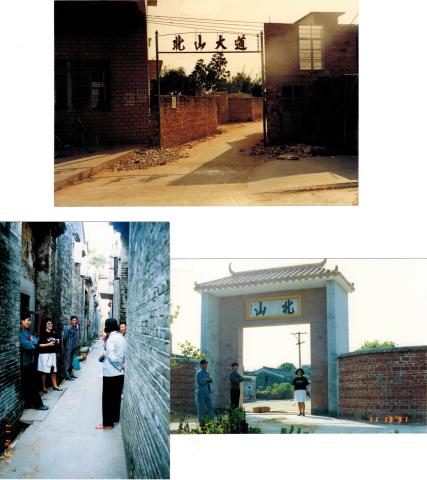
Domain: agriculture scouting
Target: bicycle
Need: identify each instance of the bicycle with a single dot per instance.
(76, 132)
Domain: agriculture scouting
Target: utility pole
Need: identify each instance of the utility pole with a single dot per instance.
(297, 335)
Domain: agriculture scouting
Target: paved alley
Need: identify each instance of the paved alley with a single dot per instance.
(66, 444)
(218, 171)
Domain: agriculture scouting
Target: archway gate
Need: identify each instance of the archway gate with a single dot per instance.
(178, 47)
(299, 294)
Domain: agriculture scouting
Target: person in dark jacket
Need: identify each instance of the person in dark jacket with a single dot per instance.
(28, 344)
(235, 380)
(70, 342)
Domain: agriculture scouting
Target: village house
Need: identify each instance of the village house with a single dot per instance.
(312, 81)
(101, 68)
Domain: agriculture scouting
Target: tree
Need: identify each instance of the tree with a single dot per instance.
(377, 344)
(190, 350)
(288, 367)
(240, 83)
(213, 76)
(174, 81)
(97, 260)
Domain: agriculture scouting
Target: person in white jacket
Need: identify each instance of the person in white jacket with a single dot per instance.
(113, 359)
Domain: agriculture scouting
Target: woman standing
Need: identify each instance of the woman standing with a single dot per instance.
(300, 384)
(48, 346)
(113, 359)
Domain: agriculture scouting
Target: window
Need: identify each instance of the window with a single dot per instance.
(81, 85)
(310, 48)
(292, 98)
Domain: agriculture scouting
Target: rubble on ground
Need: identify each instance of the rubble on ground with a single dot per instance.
(287, 152)
(149, 157)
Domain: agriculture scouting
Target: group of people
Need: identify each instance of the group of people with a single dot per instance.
(204, 390)
(39, 354)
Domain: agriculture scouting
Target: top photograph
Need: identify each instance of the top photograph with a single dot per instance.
(206, 103)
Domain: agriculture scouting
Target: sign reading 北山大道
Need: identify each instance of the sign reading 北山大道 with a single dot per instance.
(273, 307)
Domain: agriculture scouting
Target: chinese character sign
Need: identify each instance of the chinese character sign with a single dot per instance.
(222, 43)
(273, 307)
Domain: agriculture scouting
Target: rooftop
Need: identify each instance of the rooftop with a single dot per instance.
(294, 277)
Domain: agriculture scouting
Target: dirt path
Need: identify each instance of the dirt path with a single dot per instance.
(217, 171)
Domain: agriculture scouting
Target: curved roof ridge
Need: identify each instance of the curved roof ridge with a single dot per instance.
(301, 265)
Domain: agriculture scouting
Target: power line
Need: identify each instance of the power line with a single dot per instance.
(210, 28)
(205, 30)
(204, 19)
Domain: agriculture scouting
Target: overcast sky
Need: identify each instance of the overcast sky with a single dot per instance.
(100, 237)
(389, 303)
(279, 11)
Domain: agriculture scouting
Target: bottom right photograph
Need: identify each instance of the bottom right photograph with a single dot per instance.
(298, 346)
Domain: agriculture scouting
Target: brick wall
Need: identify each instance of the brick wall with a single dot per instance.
(145, 421)
(384, 382)
(245, 109)
(183, 384)
(127, 121)
(222, 107)
(11, 404)
(193, 118)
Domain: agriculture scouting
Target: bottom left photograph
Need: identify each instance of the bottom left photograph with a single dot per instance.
(84, 349)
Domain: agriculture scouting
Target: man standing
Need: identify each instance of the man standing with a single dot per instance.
(235, 380)
(28, 345)
(204, 392)
(70, 342)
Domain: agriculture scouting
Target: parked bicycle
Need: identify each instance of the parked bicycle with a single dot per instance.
(76, 133)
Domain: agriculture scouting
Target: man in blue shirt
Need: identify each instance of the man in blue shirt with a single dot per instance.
(28, 345)
(204, 393)
(70, 341)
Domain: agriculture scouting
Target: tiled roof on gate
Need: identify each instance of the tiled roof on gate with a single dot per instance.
(294, 273)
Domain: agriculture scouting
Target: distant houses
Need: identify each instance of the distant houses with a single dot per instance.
(268, 376)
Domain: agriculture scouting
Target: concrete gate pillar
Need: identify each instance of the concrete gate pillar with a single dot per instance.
(337, 328)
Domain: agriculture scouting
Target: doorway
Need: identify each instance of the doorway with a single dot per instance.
(270, 357)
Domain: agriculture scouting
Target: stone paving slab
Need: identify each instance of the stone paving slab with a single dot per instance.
(31, 415)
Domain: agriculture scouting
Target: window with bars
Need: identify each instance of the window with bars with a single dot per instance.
(310, 47)
(82, 85)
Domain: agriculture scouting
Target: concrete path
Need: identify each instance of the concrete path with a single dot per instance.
(284, 414)
(217, 171)
(81, 167)
(66, 444)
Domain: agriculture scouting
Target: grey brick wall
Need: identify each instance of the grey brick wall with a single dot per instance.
(146, 393)
(11, 404)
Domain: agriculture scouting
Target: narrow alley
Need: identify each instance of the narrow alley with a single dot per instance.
(65, 444)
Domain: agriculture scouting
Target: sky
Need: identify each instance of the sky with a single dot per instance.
(100, 237)
(389, 303)
(278, 11)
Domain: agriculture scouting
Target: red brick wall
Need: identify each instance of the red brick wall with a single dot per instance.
(183, 385)
(193, 118)
(128, 119)
(222, 107)
(384, 382)
(244, 109)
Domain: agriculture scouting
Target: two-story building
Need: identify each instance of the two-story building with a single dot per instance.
(101, 68)
(312, 81)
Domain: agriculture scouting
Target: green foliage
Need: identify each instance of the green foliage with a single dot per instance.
(278, 391)
(289, 367)
(213, 76)
(190, 350)
(97, 260)
(174, 81)
(377, 344)
(240, 83)
(232, 421)
(254, 430)
(291, 430)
